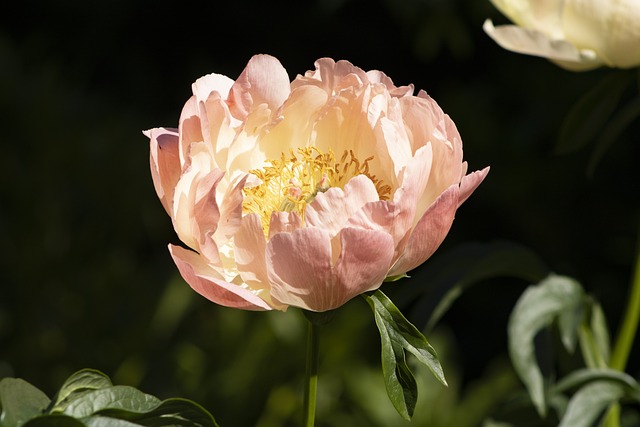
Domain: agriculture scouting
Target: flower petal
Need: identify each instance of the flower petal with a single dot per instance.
(331, 210)
(165, 163)
(534, 42)
(470, 182)
(429, 232)
(263, 81)
(205, 281)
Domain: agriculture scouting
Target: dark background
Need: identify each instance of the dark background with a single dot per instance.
(85, 276)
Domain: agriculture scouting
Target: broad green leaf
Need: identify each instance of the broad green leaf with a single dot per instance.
(100, 421)
(612, 132)
(116, 397)
(587, 117)
(538, 306)
(54, 421)
(78, 385)
(20, 401)
(171, 412)
(398, 336)
(589, 403)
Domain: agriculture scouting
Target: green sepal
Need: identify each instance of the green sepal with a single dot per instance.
(398, 336)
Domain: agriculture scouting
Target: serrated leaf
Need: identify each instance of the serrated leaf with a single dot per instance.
(589, 402)
(398, 336)
(538, 306)
(20, 401)
(112, 398)
(588, 116)
(78, 385)
(54, 421)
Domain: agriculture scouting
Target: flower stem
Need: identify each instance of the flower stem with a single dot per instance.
(311, 379)
(627, 334)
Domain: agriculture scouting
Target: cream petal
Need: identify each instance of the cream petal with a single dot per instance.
(331, 210)
(249, 252)
(165, 163)
(429, 232)
(189, 129)
(231, 210)
(206, 281)
(534, 42)
(209, 84)
(299, 268)
(263, 81)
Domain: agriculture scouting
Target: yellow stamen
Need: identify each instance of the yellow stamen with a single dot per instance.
(292, 182)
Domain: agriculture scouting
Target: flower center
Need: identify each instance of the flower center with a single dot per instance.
(291, 182)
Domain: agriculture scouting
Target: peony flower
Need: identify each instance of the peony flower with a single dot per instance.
(306, 193)
(575, 34)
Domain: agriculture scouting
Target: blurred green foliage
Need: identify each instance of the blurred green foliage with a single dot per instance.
(85, 277)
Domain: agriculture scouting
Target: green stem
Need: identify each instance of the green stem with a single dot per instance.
(311, 383)
(627, 333)
(625, 339)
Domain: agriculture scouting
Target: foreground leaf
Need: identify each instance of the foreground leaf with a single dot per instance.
(78, 385)
(20, 401)
(398, 336)
(112, 398)
(555, 297)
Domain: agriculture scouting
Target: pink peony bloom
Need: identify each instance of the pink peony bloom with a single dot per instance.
(306, 193)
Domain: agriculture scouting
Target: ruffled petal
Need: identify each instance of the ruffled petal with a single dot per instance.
(263, 81)
(165, 163)
(206, 281)
(469, 184)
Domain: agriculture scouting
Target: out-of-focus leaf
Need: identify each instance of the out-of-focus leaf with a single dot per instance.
(112, 398)
(20, 401)
(538, 306)
(584, 376)
(590, 401)
(78, 385)
(588, 116)
(99, 421)
(54, 421)
(398, 336)
(600, 331)
(449, 274)
(612, 132)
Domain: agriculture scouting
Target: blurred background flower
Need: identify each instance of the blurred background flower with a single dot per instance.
(575, 34)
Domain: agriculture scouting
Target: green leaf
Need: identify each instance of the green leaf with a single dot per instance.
(539, 305)
(398, 336)
(171, 412)
(54, 421)
(582, 377)
(588, 116)
(20, 401)
(116, 397)
(589, 402)
(78, 385)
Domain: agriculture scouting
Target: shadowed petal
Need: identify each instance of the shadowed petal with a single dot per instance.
(165, 163)
(470, 182)
(203, 279)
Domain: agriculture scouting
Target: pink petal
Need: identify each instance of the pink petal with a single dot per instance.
(190, 129)
(301, 271)
(165, 163)
(470, 182)
(231, 209)
(331, 210)
(205, 281)
(206, 214)
(429, 232)
(299, 267)
(206, 85)
(264, 80)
